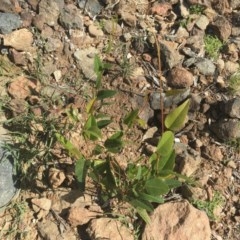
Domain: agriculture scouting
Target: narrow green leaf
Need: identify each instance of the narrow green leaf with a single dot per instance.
(130, 118)
(150, 198)
(113, 145)
(117, 135)
(165, 145)
(144, 215)
(156, 187)
(90, 105)
(175, 119)
(102, 94)
(137, 203)
(81, 170)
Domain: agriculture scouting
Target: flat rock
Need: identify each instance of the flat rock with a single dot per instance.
(205, 66)
(92, 7)
(70, 17)
(177, 220)
(221, 27)
(179, 77)
(226, 129)
(170, 54)
(85, 59)
(9, 22)
(7, 6)
(20, 39)
(107, 228)
(7, 181)
(111, 27)
(95, 31)
(202, 22)
(49, 10)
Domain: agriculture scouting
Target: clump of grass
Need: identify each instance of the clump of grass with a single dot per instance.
(210, 206)
(212, 46)
(196, 9)
(234, 83)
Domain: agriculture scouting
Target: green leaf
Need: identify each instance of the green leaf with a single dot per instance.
(81, 171)
(144, 215)
(165, 144)
(175, 119)
(173, 183)
(90, 105)
(72, 150)
(141, 204)
(93, 133)
(97, 150)
(102, 94)
(156, 187)
(130, 118)
(150, 198)
(117, 135)
(104, 123)
(167, 159)
(113, 145)
(169, 165)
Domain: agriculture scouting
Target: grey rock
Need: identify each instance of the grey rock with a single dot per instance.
(7, 184)
(70, 17)
(170, 98)
(171, 56)
(232, 108)
(187, 160)
(53, 44)
(9, 22)
(205, 66)
(85, 59)
(92, 7)
(226, 129)
(49, 10)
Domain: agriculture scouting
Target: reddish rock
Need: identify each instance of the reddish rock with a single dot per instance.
(180, 78)
(161, 9)
(177, 220)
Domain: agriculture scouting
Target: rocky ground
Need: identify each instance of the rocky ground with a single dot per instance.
(47, 72)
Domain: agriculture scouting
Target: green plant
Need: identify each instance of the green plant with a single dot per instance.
(212, 46)
(210, 206)
(196, 9)
(234, 83)
(141, 183)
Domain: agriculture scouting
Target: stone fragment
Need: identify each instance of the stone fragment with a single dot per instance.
(21, 87)
(129, 18)
(161, 9)
(232, 108)
(231, 67)
(95, 31)
(18, 106)
(205, 66)
(33, 4)
(213, 152)
(226, 129)
(187, 160)
(177, 220)
(85, 59)
(170, 54)
(221, 27)
(70, 17)
(111, 27)
(19, 58)
(49, 11)
(7, 6)
(113, 229)
(179, 77)
(9, 22)
(79, 216)
(92, 7)
(53, 45)
(56, 177)
(202, 22)
(50, 230)
(26, 18)
(7, 184)
(57, 75)
(20, 39)
(42, 203)
(235, 4)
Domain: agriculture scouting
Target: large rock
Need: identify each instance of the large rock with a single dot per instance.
(9, 22)
(177, 220)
